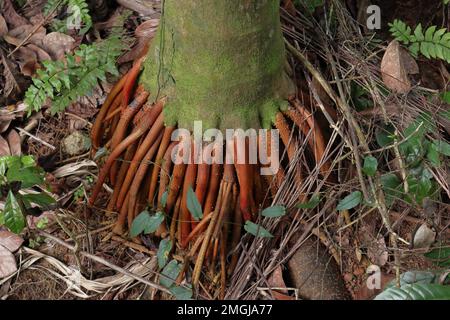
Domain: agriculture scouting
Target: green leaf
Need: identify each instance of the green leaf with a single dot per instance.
(193, 205)
(370, 166)
(2, 218)
(439, 256)
(392, 187)
(165, 246)
(442, 147)
(350, 201)
(433, 155)
(417, 291)
(29, 176)
(385, 136)
(164, 198)
(41, 199)
(257, 230)
(154, 222)
(139, 224)
(13, 216)
(274, 212)
(311, 204)
(170, 273)
(181, 293)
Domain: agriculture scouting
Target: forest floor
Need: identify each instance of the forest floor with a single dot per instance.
(355, 238)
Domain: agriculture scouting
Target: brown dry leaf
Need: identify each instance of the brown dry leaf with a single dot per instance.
(27, 60)
(424, 237)
(396, 65)
(378, 252)
(23, 31)
(10, 14)
(4, 147)
(7, 263)
(10, 241)
(10, 81)
(3, 26)
(41, 54)
(57, 44)
(276, 280)
(143, 7)
(14, 143)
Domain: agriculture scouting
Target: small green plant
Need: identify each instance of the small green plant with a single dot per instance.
(66, 80)
(418, 285)
(16, 174)
(77, 15)
(432, 43)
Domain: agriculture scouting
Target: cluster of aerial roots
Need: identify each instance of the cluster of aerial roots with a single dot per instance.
(140, 170)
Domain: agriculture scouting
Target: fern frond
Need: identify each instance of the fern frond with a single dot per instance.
(77, 15)
(434, 43)
(65, 82)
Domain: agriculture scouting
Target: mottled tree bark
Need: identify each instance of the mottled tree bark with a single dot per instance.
(220, 62)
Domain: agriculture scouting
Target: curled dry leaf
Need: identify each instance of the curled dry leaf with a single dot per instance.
(10, 241)
(27, 60)
(424, 237)
(145, 32)
(57, 44)
(10, 14)
(14, 143)
(3, 26)
(396, 65)
(7, 263)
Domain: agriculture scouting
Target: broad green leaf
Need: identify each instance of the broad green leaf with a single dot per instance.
(350, 201)
(181, 293)
(274, 212)
(13, 216)
(257, 230)
(418, 291)
(41, 199)
(139, 224)
(170, 273)
(433, 155)
(385, 136)
(163, 252)
(392, 187)
(439, 256)
(413, 277)
(370, 166)
(311, 204)
(29, 176)
(442, 147)
(154, 222)
(193, 205)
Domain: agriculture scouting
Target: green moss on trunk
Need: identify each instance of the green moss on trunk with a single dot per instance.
(220, 62)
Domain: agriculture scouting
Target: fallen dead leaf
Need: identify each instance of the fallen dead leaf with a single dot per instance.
(10, 80)
(22, 32)
(3, 26)
(27, 60)
(396, 65)
(14, 143)
(4, 147)
(10, 241)
(424, 237)
(276, 280)
(10, 14)
(57, 44)
(378, 252)
(7, 263)
(41, 54)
